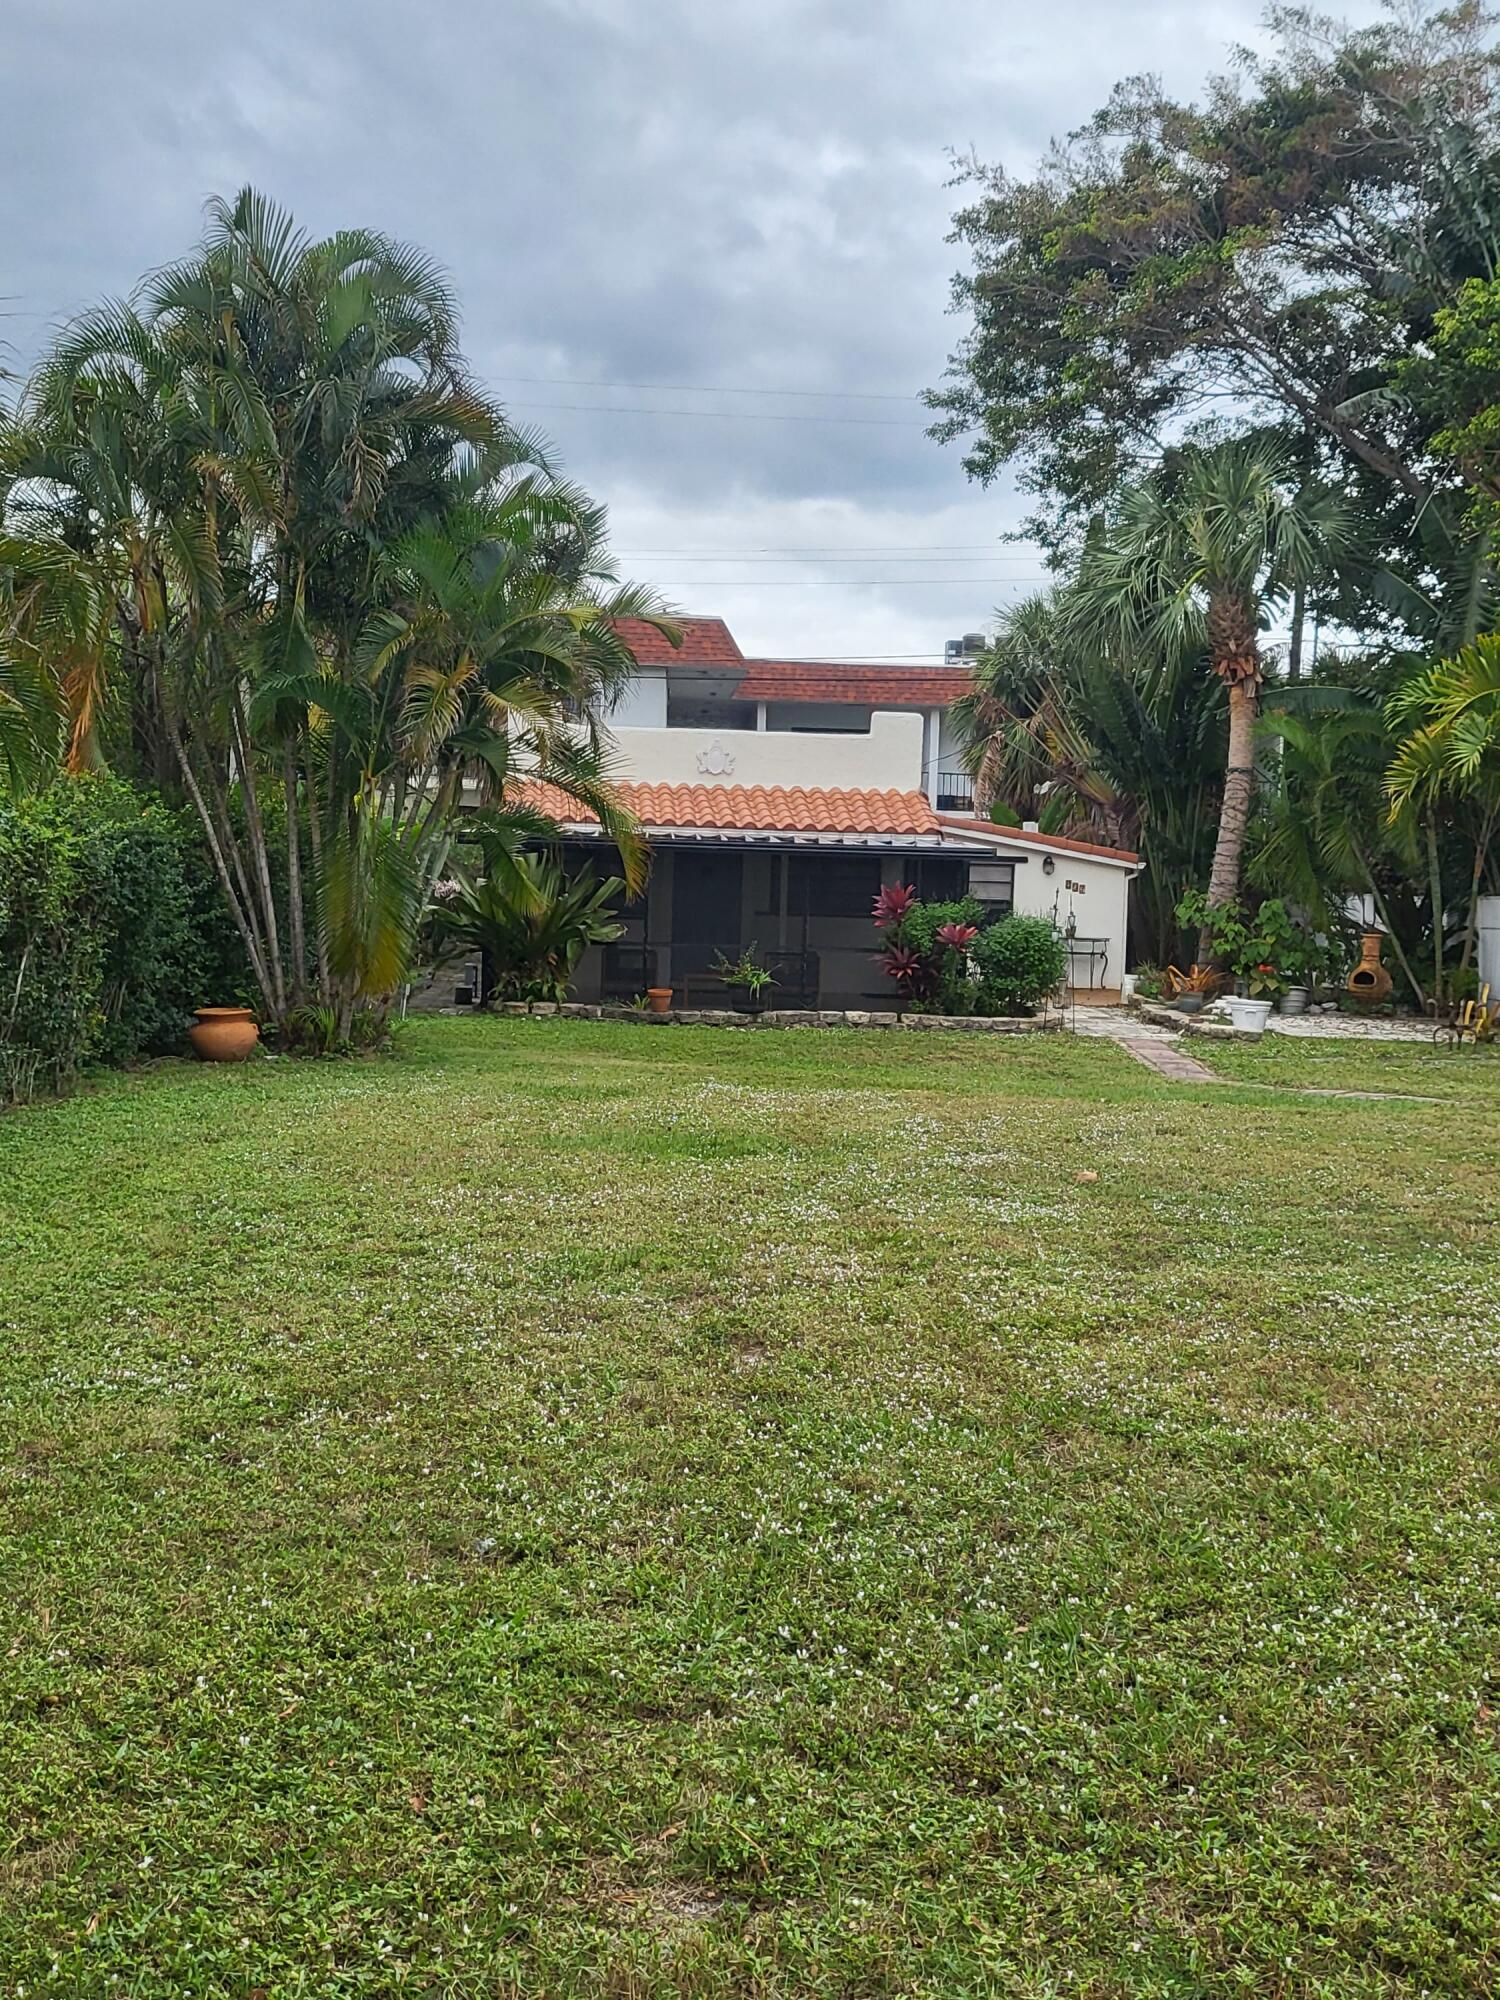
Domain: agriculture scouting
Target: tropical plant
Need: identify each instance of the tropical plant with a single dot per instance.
(530, 922)
(1190, 560)
(745, 972)
(1447, 720)
(1097, 744)
(264, 512)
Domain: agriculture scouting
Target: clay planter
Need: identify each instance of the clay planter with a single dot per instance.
(659, 999)
(224, 1034)
(1369, 982)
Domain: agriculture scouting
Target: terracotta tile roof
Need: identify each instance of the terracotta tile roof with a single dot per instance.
(877, 687)
(706, 642)
(1054, 841)
(755, 808)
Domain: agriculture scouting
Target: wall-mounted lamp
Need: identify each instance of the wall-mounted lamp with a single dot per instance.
(1049, 866)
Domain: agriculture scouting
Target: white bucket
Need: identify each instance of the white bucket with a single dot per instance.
(1250, 1016)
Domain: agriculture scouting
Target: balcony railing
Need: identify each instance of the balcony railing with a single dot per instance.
(955, 791)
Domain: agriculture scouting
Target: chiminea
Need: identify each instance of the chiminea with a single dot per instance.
(1369, 981)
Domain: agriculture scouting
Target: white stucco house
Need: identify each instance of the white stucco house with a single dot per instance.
(779, 795)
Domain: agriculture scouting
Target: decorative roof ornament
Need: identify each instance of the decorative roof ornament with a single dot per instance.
(715, 761)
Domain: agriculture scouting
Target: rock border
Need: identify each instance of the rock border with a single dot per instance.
(1190, 1024)
(781, 1017)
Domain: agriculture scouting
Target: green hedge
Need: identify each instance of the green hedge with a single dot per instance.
(111, 932)
(1020, 961)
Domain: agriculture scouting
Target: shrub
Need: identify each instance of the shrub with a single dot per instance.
(111, 931)
(947, 960)
(1020, 961)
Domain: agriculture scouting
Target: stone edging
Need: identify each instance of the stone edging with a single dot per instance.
(1189, 1024)
(783, 1017)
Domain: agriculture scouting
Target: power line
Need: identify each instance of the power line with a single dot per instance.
(724, 555)
(712, 389)
(827, 582)
(822, 548)
(722, 416)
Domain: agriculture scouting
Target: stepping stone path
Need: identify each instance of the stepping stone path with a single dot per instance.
(1168, 1060)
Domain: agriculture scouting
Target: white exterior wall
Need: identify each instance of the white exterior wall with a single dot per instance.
(1489, 944)
(887, 758)
(1094, 892)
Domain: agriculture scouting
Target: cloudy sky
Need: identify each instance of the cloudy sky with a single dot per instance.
(701, 242)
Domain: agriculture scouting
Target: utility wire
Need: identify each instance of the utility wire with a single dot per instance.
(828, 582)
(724, 416)
(711, 389)
(723, 556)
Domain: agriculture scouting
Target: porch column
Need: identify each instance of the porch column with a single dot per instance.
(760, 715)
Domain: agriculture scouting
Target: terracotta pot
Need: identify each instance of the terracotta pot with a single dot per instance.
(659, 999)
(1369, 981)
(224, 1034)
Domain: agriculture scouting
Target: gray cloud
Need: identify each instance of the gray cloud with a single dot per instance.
(701, 192)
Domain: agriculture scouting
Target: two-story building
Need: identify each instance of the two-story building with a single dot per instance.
(779, 795)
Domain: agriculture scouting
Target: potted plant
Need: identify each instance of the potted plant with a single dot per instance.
(746, 975)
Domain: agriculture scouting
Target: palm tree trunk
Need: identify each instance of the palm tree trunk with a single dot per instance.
(1435, 900)
(1476, 881)
(294, 874)
(1234, 812)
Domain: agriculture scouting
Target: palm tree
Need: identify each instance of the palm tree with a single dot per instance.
(1449, 754)
(337, 571)
(1122, 750)
(1193, 559)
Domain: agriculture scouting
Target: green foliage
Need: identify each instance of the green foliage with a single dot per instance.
(1020, 960)
(530, 921)
(745, 971)
(260, 519)
(1268, 949)
(110, 932)
(1279, 248)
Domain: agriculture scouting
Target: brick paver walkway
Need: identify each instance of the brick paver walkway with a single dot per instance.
(1167, 1059)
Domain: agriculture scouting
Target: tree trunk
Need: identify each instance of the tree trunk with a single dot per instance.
(1476, 881)
(1435, 899)
(294, 877)
(1294, 645)
(1234, 812)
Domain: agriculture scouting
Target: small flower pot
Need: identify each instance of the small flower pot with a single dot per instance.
(659, 999)
(1190, 1003)
(1250, 1016)
(224, 1034)
(1293, 1001)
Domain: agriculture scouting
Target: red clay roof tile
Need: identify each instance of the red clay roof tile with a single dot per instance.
(706, 642)
(755, 808)
(874, 687)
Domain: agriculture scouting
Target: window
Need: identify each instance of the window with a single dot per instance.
(993, 883)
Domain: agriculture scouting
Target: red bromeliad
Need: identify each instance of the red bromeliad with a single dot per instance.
(957, 937)
(893, 906)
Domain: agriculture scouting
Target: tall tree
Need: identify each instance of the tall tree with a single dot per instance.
(1191, 560)
(1273, 254)
(337, 583)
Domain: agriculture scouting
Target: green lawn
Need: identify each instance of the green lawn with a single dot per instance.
(1469, 1074)
(612, 1511)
